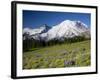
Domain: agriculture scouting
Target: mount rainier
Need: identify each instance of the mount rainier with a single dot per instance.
(65, 29)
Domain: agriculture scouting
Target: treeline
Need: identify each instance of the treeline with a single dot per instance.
(30, 43)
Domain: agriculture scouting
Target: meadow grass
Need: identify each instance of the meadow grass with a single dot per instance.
(58, 56)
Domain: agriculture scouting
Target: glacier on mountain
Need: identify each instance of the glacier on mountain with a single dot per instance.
(65, 29)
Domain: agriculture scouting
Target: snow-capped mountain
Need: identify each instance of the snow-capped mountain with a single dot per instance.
(42, 29)
(65, 29)
(35, 33)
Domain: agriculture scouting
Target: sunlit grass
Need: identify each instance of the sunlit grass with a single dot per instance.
(64, 55)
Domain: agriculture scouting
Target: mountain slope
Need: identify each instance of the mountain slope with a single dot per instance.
(66, 29)
(35, 33)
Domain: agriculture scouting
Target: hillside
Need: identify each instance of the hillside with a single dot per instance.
(63, 55)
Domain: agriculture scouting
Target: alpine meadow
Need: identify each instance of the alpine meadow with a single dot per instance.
(56, 39)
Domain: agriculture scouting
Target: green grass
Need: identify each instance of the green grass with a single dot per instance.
(64, 55)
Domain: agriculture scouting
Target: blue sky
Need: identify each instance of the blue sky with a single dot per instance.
(33, 19)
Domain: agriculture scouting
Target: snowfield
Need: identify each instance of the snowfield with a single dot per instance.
(65, 29)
